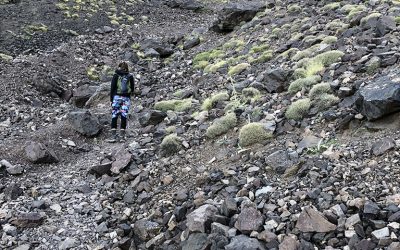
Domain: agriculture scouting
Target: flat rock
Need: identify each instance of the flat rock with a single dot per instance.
(27, 220)
(196, 241)
(244, 242)
(38, 153)
(152, 117)
(279, 161)
(383, 146)
(311, 220)
(249, 219)
(379, 98)
(68, 243)
(381, 233)
(200, 219)
(23, 247)
(289, 243)
(13, 191)
(84, 122)
(122, 160)
(101, 169)
(15, 170)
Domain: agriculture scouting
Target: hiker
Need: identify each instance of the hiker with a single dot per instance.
(122, 85)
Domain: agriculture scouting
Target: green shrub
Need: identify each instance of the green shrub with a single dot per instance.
(301, 83)
(313, 68)
(215, 67)
(237, 69)
(170, 130)
(325, 101)
(92, 73)
(207, 57)
(6, 58)
(397, 19)
(233, 43)
(330, 40)
(264, 57)
(251, 93)
(222, 125)
(364, 20)
(331, 6)
(258, 48)
(253, 133)
(319, 89)
(336, 25)
(298, 109)
(170, 145)
(201, 64)
(211, 101)
(294, 8)
(329, 57)
(174, 105)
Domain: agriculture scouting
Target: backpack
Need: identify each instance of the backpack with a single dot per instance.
(123, 86)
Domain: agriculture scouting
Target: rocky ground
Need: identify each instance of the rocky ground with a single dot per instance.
(255, 125)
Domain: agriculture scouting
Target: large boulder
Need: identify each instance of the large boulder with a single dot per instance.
(249, 219)
(244, 242)
(311, 220)
(162, 48)
(233, 14)
(274, 80)
(100, 96)
(84, 122)
(82, 94)
(39, 153)
(200, 219)
(152, 117)
(379, 98)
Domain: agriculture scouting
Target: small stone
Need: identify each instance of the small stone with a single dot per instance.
(68, 243)
(102, 228)
(229, 207)
(200, 219)
(381, 233)
(249, 219)
(382, 146)
(56, 207)
(311, 220)
(15, 170)
(146, 229)
(40, 204)
(27, 220)
(352, 220)
(371, 208)
(168, 180)
(23, 247)
(39, 153)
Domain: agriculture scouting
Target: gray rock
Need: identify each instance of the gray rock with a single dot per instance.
(151, 53)
(84, 122)
(15, 170)
(27, 220)
(122, 160)
(371, 207)
(40, 204)
(249, 219)
(185, 4)
(101, 95)
(311, 220)
(68, 243)
(233, 14)
(13, 191)
(146, 229)
(289, 243)
(218, 228)
(200, 219)
(23, 247)
(385, 24)
(152, 117)
(6, 164)
(163, 49)
(39, 153)
(279, 161)
(382, 146)
(274, 80)
(82, 94)
(379, 98)
(191, 42)
(381, 233)
(229, 207)
(244, 242)
(101, 169)
(156, 241)
(309, 141)
(352, 220)
(196, 241)
(102, 228)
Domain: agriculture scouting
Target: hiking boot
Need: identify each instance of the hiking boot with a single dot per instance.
(122, 135)
(114, 136)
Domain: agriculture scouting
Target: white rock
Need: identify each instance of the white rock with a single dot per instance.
(381, 233)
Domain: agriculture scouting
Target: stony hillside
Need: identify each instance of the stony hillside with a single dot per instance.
(254, 125)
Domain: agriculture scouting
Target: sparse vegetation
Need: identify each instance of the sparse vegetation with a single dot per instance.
(330, 40)
(215, 67)
(301, 83)
(92, 73)
(205, 58)
(319, 89)
(174, 105)
(211, 101)
(253, 133)
(298, 109)
(331, 6)
(329, 57)
(237, 69)
(251, 94)
(222, 125)
(5, 57)
(170, 145)
(325, 101)
(364, 20)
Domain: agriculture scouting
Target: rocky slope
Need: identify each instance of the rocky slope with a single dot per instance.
(255, 125)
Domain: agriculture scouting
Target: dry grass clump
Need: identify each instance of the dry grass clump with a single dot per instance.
(319, 89)
(222, 125)
(174, 105)
(211, 101)
(170, 145)
(237, 69)
(301, 83)
(253, 133)
(298, 109)
(325, 101)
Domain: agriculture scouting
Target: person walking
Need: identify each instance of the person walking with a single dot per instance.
(122, 86)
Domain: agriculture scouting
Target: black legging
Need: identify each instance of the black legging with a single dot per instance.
(114, 122)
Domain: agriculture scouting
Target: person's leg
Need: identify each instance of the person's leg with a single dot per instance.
(124, 116)
(114, 120)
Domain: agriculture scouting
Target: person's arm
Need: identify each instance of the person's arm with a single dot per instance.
(113, 87)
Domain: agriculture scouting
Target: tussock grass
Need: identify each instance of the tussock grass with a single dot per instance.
(298, 109)
(222, 125)
(253, 133)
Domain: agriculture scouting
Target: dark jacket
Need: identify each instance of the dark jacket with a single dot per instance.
(114, 82)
